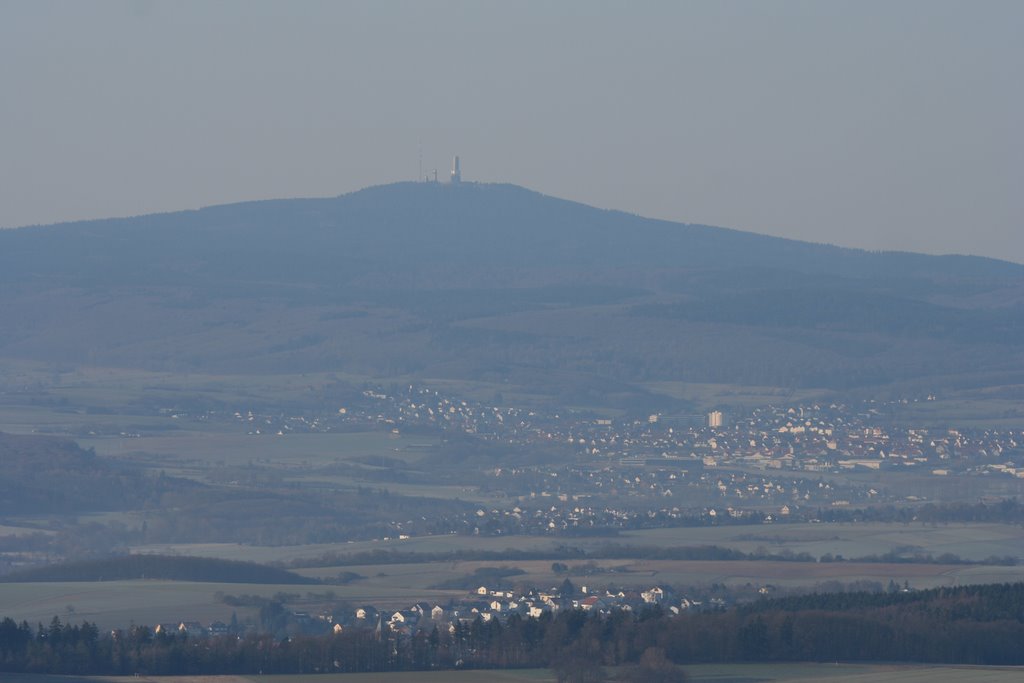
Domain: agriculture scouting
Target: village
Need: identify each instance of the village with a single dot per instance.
(480, 606)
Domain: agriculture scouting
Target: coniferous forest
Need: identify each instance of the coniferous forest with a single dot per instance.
(962, 625)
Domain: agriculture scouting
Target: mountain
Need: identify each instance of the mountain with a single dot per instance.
(499, 283)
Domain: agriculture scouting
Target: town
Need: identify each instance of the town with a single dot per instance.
(572, 472)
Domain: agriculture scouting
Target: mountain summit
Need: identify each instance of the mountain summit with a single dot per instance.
(499, 283)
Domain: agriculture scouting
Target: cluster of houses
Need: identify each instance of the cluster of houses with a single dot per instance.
(485, 604)
(812, 438)
(194, 629)
(634, 472)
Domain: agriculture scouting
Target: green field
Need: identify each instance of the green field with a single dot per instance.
(117, 604)
(646, 573)
(231, 445)
(114, 604)
(420, 544)
(969, 541)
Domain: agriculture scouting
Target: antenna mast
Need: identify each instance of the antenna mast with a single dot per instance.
(456, 171)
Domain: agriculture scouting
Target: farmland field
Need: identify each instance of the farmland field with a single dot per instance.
(20, 530)
(421, 544)
(644, 573)
(119, 603)
(113, 604)
(969, 541)
(116, 604)
(227, 447)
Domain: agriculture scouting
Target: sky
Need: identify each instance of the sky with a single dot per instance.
(872, 124)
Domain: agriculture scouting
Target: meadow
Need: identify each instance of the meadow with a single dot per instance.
(627, 573)
(225, 445)
(117, 604)
(970, 541)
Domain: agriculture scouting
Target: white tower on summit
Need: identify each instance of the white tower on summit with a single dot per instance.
(456, 171)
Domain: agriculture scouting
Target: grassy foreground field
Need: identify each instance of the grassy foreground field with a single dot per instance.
(701, 673)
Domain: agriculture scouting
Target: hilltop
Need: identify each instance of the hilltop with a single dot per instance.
(503, 284)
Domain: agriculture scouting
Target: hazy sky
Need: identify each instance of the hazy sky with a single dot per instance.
(884, 125)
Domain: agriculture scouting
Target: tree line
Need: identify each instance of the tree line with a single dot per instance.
(616, 551)
(173, 567)
(962, 625)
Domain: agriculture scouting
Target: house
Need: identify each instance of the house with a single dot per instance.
(592, 603)
(218, 628)
(367, 612)
(193, 629)
(405, 617)
(471, 609)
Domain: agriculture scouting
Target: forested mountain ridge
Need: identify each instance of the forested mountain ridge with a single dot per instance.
(423, 226)
(499, 283)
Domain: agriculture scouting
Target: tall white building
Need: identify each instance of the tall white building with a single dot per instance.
(456, 171)
(715, 418)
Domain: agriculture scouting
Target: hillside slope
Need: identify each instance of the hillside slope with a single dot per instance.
(500, 283)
